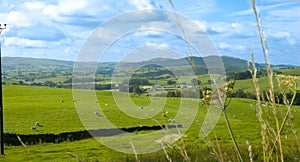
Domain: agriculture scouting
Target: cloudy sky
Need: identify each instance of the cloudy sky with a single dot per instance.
(58, 29)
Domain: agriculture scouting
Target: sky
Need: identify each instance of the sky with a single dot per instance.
(58, 29)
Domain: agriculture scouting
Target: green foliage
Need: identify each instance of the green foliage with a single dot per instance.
(242, 75)
(195, 82)
(137, 90)
(171, 82)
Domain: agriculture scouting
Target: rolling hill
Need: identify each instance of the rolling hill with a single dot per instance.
(18, 69)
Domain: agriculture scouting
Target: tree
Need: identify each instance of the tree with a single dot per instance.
(137, 90)
(195, 82)
(242, 75)
(171, 82)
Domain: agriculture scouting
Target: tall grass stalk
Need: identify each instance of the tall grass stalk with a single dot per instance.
(232, 136)
(74, 156)
(250, 151)
(25, 146)
(291, 84)
(228, 91)
(182, 149)
(166, 153)
(216, 154)
(259, 112)
(265, 127)
(269, 71)
(135, 153)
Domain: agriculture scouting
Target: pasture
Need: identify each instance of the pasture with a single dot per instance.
(24, 105)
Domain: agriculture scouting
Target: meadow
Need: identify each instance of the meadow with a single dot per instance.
(25, 105)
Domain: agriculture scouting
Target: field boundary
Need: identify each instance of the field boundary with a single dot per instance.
(32, 139)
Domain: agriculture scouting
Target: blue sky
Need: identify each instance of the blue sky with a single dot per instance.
(57, 29)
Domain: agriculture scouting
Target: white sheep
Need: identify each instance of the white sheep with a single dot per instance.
(33, 128)
(97, 113)
(171, 120)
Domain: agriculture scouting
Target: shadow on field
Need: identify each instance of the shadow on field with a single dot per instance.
(31, 139)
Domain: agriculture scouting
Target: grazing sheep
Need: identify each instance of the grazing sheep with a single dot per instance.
(164, 115)
(37, 124)
(106, 105)
(167, 112)
(206, 123)
(97, 113)
(141, 108)
(33, 128)
(97, 102)
(171, 120)
(234, 116)
(62, 100)
(74, 101)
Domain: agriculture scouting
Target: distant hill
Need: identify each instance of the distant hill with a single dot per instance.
(231, 64)
(14, 63)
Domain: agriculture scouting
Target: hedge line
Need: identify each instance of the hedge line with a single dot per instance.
(31, 139)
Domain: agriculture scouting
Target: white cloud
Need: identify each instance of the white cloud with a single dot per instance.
(147, 32)
(224, 45)
(141, 4)
(220, 27)
(280, 34)
(233, 47)
(240, 47)
(67, 8)
(13, 41)
(161, 45)
(56, 27)
(17, 18)
(34, 5)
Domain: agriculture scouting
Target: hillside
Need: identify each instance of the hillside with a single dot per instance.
(18, 70)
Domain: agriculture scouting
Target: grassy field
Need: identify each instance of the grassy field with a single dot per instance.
(23, 106)
(295, 71)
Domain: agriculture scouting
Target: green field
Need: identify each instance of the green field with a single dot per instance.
(24, 105)
(247, 85)
(295, 71)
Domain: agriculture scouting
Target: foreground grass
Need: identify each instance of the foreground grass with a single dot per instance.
(43, 104)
